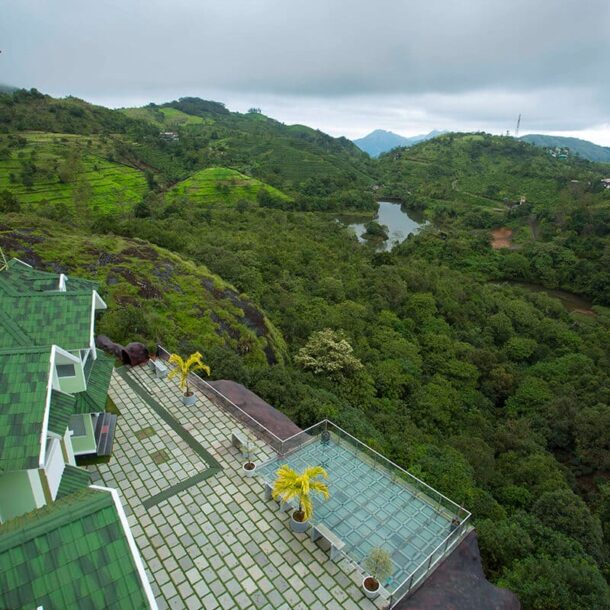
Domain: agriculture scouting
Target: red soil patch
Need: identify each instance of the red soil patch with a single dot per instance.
(501, 238)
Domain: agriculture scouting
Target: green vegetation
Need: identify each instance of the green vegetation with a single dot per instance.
(291, 485)
(152, 295)
(582, 148)
(62, 175)
(470, 183)
(220, 184)
(491, 392)
(184, 367)
(378, 563)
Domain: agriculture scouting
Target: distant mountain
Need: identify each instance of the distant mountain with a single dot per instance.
(7, 88)
(582, 148)
(380, 141)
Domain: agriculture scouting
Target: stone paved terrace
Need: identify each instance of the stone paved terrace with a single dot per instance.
(208, 537)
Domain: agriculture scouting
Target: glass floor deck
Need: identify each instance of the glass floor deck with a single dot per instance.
(368, 507)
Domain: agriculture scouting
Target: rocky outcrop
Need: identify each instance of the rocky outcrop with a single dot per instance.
(132, 353)
(460, 584)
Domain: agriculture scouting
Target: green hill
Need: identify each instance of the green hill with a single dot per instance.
(221, 184)
(153, 295)
(58, 171)
(295, 159)
(582, 148)
(483, 169)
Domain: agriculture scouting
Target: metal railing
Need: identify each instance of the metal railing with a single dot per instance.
(460, 517)
(261, 431)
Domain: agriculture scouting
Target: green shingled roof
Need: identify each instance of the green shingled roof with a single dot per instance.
(35, 312)
(62, 408)
(94, 399)
(73, 479)
(23, 393)
(34, 315)
(72, 554)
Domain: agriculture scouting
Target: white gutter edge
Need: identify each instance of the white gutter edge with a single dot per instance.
(47, 410)
(132, 544)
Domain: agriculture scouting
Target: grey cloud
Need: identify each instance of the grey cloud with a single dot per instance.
(470, 61)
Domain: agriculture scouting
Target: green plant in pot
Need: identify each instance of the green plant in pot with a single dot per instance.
(249, 466)
(291, 485)
(378, 564)
(183, 367)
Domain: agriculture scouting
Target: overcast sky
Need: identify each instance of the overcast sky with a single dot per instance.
(344, 66)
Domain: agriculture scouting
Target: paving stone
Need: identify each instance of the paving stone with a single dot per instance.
(217, 544)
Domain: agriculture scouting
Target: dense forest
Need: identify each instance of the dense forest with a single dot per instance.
(217, 231)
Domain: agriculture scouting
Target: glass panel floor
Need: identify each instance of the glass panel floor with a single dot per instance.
(367, 508)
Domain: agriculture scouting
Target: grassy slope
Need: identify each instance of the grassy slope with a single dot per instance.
(164, 118)
(152, 294)
(111, 183)
(220, 184)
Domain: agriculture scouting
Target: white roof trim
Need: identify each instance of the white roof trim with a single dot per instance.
(47, 409)
(22, 262)
(99, 302)
(68, 355)
(132, 544)
(96, 303)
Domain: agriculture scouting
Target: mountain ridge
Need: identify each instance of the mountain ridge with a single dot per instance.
(583, 148)
(380, 141)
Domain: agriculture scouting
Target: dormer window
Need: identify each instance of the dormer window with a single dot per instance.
(65, 370)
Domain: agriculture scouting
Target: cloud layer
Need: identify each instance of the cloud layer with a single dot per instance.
(442, 63)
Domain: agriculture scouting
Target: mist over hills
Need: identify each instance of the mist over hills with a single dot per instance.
(380, 141)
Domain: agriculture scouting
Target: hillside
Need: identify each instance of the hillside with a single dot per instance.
(380, 141)
(295, 159)
(582, 148)
(463, 370)
(58, 173)
(153, 295)
(487, 169)
(220, 184)
(292, 158)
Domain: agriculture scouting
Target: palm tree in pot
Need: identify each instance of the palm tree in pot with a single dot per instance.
(293, 485)
(183, 367)
(378, 564)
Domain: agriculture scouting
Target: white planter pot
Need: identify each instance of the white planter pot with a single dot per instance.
(370, 594)
(298, 526)
(249, 473)
(189, 401)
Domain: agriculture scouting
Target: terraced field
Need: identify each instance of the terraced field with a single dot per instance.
(59, 165)
(221, 185)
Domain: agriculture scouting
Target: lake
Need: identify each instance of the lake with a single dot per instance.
(399, 222)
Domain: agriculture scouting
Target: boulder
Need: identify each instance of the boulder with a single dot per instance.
(133, 354)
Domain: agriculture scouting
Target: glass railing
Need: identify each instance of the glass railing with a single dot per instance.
(458, 516)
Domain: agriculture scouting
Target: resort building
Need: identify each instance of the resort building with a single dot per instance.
(64, 543)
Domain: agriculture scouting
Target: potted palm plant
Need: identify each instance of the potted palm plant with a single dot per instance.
(292, 485)
(378, 564)
(182, 368)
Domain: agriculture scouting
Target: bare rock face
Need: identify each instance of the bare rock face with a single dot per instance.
(132, 354)
(459, 583)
